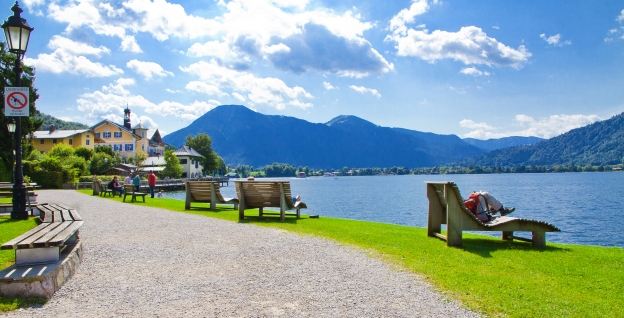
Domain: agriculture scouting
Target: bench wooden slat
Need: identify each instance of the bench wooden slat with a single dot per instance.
(64, 235)
(75, 215)
(12, 244)
(58, 216)
(44, 240)
(66, 215)
(48, 215)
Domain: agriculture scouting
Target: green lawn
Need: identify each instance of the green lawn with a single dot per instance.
(9, 230)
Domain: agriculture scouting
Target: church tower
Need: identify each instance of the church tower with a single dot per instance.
(127, 118)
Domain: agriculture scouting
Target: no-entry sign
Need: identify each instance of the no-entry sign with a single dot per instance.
(16, 101)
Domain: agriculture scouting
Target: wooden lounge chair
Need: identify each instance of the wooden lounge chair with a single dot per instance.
(206, 192)
(446, 206)
(265, 194)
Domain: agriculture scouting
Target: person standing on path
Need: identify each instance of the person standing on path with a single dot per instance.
(136, 182)
(151, 181)
(128, 179)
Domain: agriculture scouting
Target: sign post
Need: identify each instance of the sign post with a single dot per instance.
(16, 101)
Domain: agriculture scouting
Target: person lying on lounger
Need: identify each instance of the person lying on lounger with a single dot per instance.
(485, 206)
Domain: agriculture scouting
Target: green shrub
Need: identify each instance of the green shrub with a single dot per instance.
(48, 179)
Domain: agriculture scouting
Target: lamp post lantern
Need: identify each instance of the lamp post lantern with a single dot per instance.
(17, 32)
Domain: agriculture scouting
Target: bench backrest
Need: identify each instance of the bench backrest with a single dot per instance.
(264, 193)
(128, 188)
(449, 191)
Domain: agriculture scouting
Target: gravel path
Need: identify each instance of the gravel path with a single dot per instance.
(143, 261)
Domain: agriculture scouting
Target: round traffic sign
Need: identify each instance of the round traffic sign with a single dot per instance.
(17, 100)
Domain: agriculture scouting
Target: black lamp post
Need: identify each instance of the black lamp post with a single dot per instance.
(17, 32)
(11, 129)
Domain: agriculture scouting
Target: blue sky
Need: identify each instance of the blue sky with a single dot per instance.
(482, 69)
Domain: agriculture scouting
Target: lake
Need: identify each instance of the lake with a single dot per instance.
(587, 207)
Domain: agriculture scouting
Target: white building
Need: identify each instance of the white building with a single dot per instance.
(190, 161)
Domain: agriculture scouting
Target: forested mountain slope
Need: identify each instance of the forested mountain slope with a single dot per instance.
(599, 143)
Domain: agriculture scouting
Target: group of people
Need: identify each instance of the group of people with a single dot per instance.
(135, 182)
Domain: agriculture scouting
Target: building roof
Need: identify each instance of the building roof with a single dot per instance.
(155, 169)
(121, 127)
(57, 134)
(140, 126)
(154, 161)
(186, 151)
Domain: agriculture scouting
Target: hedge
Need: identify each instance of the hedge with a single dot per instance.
(47, 179)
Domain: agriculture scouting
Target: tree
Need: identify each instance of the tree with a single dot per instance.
(202, 143)
(100, 163)
(29, 124)
(84, 152)
(139, 157)
(104, 149)
(173, 168)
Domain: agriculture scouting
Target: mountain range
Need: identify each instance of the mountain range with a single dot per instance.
(600, 143)
(242, 136)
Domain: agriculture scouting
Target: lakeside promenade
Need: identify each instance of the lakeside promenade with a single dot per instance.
(142, 261)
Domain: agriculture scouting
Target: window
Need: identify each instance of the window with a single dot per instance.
(107, 134)
(118, 134)
(42, 141)
(143, 134)
(143, 147)
(129, 147)
(117, 147)
(88, 142)
(184, 173)
(87, 136)
(54, 141)
(97, 135)
(70, 141)
(183, 161)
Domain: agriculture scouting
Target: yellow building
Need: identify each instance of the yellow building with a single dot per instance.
(121, 138)
(45, 140)
(126, 139)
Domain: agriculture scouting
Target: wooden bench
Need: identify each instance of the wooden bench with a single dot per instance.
(264, 194)
(206, 192)
(446, 206)
(129, 190)
(43, 244)
(104, 190)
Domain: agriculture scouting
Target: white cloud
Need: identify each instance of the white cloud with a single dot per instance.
(555, 40)
(528, 126)
(364, 90)
(265, 91)
(202, 87)
(112, 99)
(240, 34)
(328, 86)
(406, 16)
(129, 44)
(69, 56)
(473, 71)
(210, 48)
(467, 123)
(470, 45)
(147, 69)
(620, 17)
(239, 97)
(496, 27)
